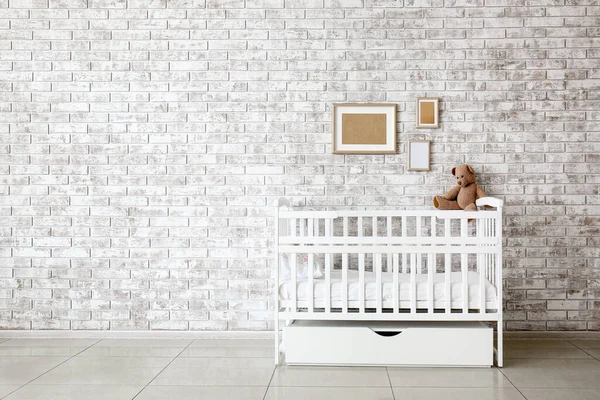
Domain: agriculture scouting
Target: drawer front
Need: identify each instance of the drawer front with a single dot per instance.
(411, 346)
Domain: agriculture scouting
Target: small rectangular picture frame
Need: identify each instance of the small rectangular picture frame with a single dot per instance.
(364, 128)
(419, 155)
(427, 112)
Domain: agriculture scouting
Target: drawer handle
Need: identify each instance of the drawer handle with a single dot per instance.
(388, 333)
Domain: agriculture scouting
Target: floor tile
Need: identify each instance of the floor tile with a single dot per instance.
(330, 376)
(329, 393)
(49, 342)
(131, 351)
(105, 371)
(202, 392)
(6, 389)
(74, 392)
(181, 343)
(554, 373)
(504, 393)
(448, 377)
(39, 351)
(545, 352)
(19, 370)
(532, 343)
(594, 353)
(233, 343)
(586, 344)
(560, 394)
(217, 372)
(244, 352)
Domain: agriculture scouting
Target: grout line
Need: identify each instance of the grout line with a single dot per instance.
(508, 379)
(270, 380)
(584, 350)
(390, 381)
(56, 366)
(161, 371)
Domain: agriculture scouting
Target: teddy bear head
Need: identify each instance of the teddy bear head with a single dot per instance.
(465, 175)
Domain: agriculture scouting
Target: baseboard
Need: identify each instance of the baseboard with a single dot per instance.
(548, 335)
(48, 334)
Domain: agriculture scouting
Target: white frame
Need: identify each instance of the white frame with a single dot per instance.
(419, 158)
(299, 232)
(436, 107)
(391, 145)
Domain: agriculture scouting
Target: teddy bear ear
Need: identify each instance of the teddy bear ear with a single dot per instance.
(471, 170)
(454, 171)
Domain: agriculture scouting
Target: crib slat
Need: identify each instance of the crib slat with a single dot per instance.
(389, 235)
(403, 232)
(378, 296)
(447, 270)
(464, 267)
(293, 272)
(420, 264)
(361, 282)
(431, 268)
(490, 264)
(345, 271)
(328, 266)
(309, 270)
(302, 222)
(311, 284)
(359, 226)
(395, 288)
(430, 288)
(413, 283)
(374, 226)
(293, 227)
(482, 267)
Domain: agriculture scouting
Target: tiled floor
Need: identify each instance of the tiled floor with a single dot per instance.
(59, 369)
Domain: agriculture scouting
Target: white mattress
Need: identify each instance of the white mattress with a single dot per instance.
(387, 292)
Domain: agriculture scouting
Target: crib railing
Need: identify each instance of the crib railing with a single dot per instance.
(408, 242)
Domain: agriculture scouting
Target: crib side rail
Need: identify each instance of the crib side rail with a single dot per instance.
(414, 243)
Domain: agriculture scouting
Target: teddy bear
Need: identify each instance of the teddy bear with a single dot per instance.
(462, 196)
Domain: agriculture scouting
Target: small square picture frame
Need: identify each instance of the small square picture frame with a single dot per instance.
(419, 155)
(428, 111)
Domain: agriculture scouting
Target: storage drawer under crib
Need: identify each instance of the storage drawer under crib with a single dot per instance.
(387, 343)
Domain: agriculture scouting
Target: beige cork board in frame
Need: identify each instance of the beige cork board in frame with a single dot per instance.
(364, 129)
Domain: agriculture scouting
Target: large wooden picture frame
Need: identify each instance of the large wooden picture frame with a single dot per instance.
(427, 110)
(364, 129)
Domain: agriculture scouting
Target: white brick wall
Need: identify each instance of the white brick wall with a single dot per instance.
(144, 141)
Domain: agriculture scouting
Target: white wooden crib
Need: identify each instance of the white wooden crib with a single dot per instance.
(389, 265)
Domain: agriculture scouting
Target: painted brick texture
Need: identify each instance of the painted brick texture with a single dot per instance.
(143, 145)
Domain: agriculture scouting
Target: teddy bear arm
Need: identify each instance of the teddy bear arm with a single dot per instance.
(452, 194)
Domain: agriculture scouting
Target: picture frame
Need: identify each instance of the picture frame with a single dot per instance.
(364, 128)
(427, 112)
(419, 155)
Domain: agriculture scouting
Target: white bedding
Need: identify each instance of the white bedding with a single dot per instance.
(387, 292)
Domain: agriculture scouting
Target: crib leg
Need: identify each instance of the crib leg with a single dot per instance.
(500, 349)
